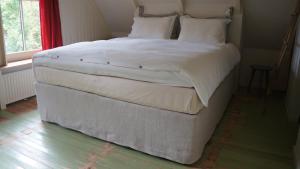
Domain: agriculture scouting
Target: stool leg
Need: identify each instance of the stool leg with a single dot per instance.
(268, 88)
(251, 79)
(262, 86)
(266, 91)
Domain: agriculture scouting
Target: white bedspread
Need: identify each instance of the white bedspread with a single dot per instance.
(168, 62)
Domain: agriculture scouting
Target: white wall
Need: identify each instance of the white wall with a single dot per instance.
(263, 56)
(118, 15)
(255, 56)
(266, 21)
(82, 20)
(265, 25)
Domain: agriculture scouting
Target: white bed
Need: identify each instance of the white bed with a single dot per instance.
(161, 97)
(171, 135)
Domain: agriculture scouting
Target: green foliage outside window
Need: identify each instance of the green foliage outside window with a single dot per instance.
(21, 23)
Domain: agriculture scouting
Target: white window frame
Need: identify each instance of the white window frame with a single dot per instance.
(23, 55)
(18, 56)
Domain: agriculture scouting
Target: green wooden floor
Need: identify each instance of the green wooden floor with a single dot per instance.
(245, 139)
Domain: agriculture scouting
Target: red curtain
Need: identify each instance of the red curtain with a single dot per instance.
(50, 24)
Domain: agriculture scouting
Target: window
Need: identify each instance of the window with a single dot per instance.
(21, 24)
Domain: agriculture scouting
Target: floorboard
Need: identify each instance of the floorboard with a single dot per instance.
(246, 138)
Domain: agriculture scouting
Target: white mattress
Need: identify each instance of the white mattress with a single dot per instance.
(179, 99)
(170, 62)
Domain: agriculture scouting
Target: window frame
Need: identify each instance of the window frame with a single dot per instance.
(19, 56)
(22, 55)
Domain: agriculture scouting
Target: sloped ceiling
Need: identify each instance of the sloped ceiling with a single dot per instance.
(118, 14)
(266, 22)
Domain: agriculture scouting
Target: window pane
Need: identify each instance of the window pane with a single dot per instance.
(31, 21)
(11, 25)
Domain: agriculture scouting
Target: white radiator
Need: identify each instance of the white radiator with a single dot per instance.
(16, 86)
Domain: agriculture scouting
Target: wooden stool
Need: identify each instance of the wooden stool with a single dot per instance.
(265, 74)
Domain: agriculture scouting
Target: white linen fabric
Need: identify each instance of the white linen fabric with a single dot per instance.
(175, 136)
(165, 97)
(197, 65)
(210, 31)
(152, 27)
(176, 25)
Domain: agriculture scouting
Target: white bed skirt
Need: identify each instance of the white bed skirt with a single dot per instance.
(172, 135)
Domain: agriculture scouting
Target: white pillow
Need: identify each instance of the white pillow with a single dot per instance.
(210, 31)
(152, 27)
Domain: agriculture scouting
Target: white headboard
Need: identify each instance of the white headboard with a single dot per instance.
(202, 9)
(210, 8)
(217, 8)
(161, 7)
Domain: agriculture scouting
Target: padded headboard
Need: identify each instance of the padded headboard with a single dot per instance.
(200, 9)
(210, 8)
(217, 8)
(161, 7)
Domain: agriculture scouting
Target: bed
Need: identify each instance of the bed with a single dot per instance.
(161, 97)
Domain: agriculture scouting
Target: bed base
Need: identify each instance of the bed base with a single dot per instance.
(171, 135)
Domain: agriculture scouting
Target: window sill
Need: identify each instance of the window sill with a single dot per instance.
(20, 56)
(16, 66)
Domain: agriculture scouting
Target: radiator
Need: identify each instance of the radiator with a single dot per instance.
(16, 86)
